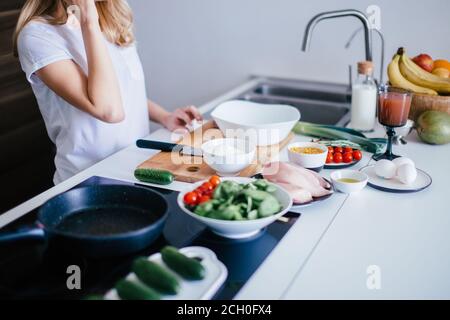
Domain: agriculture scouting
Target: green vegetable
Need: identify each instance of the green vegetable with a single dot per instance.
(130, 290)
(186, 267)
(155, 276)
(94, 297)
(204, 209)
(253, 215)
(336, 133)
(433, 127)
(257, 195)
(229, 212)
(155, 176)
(234, 201)
(269, 206)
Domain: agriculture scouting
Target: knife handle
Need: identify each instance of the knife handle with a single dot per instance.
(156, 145)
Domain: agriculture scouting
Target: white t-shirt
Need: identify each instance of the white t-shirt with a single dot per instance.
(80, 139)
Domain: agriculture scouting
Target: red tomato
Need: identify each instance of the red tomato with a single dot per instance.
(330, 157)
(338, 150)
(330, 149)
(357, 155)
(204, 199)
(348, 149)
(348, 157)
(207, 186)
(214, 180)
(199, 191)
(337, 157)
(190, 198)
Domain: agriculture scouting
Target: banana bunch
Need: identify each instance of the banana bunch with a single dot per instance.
(404, 73)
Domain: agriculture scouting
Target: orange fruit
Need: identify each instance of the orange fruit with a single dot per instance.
(441, 64)
(441, 72)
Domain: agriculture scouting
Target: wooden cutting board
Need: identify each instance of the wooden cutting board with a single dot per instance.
(193, 169)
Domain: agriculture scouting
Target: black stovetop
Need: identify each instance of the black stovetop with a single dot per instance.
(31, 270)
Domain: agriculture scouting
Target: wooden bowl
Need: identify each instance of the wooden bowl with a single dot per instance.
(425, 102)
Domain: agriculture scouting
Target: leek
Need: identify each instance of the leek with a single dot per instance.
(337, 133)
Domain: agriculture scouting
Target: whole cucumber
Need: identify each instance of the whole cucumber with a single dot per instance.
(186, 267)
(130, 290)
(155, 176)
(155, 276)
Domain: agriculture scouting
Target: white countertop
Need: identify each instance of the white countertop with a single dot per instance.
(326, 254)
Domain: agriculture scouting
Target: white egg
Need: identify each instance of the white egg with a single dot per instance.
(385, 169)
(403, 160)
(407, 173)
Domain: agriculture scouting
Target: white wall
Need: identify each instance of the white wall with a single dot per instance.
(194, 50)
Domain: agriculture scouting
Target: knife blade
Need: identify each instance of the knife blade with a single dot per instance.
(169, 147)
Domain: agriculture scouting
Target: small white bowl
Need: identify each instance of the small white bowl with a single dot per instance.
(238, 229)
(309, 161)
(225, 163)
(347, 187)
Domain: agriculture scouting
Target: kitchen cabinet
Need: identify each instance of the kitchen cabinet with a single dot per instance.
(26, 161)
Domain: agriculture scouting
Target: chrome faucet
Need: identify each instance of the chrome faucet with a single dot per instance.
(337, 14)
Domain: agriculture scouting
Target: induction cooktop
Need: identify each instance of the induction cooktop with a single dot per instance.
(32, 270)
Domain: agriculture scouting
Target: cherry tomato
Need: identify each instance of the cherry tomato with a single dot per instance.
(337, 157)
(204, 199)
(214, 180)
(338, 150)
(330, 149)
(207, 186)
(191, 198)
(357, 155)
(348, 149)
(330, 157)
(348, 157)
(198, 192)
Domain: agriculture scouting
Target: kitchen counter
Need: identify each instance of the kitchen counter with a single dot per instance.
(327, 254)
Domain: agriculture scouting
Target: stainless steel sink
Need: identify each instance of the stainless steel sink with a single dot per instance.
(318, 102)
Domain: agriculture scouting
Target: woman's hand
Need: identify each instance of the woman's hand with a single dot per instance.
(180, 118)
(88, 11)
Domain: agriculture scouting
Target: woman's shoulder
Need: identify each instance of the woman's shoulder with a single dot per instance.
(38, 27)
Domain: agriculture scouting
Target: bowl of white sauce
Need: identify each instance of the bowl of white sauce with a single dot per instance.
(228, 157)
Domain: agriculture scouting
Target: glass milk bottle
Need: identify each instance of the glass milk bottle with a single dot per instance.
(364, 99)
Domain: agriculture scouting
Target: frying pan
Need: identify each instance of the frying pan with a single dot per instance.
(99, 221)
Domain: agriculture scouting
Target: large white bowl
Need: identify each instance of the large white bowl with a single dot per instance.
(238, 229)
(265, 124)
(228, 164)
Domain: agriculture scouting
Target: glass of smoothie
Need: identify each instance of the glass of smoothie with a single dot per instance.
(393, 110)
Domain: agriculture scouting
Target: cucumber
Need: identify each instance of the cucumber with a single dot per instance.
(155, 276)
(155, 176)
(130, 290)
(186, 267)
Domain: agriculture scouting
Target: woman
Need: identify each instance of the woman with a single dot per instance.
(88, 80)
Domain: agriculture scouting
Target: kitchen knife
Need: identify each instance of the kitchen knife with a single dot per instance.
(169, 147)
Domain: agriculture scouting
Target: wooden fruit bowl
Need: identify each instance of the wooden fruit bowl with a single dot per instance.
(425, 102)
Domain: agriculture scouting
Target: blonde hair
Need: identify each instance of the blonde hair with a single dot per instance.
(115, 17)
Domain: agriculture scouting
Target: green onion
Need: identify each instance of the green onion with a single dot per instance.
(337, 133)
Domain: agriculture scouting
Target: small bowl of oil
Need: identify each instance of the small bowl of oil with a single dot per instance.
(349, 181)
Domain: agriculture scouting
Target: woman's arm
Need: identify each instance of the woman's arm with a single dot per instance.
(175, 120)
(98, 93)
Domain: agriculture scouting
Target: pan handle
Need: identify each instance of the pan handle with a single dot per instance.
(22, 234)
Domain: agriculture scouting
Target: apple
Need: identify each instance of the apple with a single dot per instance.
(424, 61)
